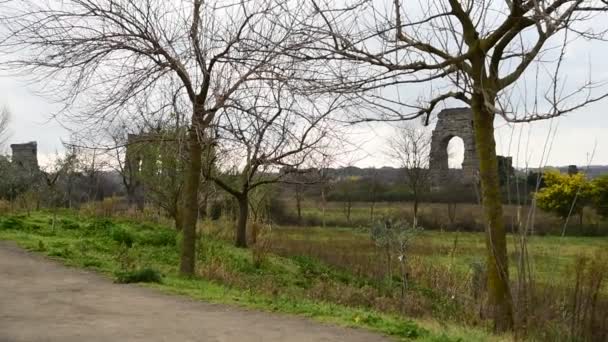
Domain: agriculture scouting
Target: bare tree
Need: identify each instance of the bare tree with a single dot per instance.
(268, 129)
(101, 56)
(51, 176)
(5, 120)
(411, 147)
(476, 52)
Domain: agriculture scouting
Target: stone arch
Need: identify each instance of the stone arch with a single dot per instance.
(453, 122)
(455, 149)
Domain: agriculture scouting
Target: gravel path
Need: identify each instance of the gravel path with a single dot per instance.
(41, 300)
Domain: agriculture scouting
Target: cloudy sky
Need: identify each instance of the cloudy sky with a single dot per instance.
(577, 138)
(573, 137)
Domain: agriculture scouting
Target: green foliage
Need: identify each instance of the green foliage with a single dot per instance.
(158, 237)
(12, 222)
(564, 194)
(69, 224)
(297, 285)
(144, 275)
(600, 195)
(122, 236)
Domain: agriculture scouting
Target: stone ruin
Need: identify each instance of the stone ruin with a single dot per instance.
(26, 155)
(457, 122)
(453, 122)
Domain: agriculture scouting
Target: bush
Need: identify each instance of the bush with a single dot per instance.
(600, 195)
(144, 275)
(104, 224)
(159, 237)
(12, 223)
(122, 236)
(69, 224)
(564, 194)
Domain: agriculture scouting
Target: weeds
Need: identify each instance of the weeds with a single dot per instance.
(316, 271)
(158, 237)
(262, 244)
(122, 236)
(144, 275)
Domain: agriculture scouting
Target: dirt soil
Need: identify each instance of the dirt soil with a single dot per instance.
(42, 300)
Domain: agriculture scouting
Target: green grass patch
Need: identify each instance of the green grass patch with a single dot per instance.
(144, 275)
(133, 252)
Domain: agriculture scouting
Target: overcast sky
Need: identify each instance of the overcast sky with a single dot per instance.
(574, 136)
(570, 139)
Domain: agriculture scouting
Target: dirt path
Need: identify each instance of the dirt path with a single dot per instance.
(41, 300)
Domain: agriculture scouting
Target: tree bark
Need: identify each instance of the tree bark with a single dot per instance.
(299, 202)
(190, 208)
(241, 226)
(500, 301)
(415, 208)
(177, 217)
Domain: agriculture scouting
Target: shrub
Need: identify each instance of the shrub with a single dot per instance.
(69, 224)
(12, 222)
(159, 237)
(144, 275)
(103, 224)
(564, 194)
(600, 195)
(61, 252)
(261, 244)
(122, 236)
(89, 262)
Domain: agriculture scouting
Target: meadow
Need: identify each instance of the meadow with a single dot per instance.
(148, 253)
(456, 217)
(338, 274)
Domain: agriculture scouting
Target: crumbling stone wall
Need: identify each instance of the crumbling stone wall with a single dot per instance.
(453, 122)
(26, 155)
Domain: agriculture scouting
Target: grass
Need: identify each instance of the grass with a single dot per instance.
(137, 252)
(435, 216)
(551, 256)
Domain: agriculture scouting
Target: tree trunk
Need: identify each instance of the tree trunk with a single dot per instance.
(500, 300)
(190, 206)
(241, 226)
(323, 203)
(415, 209)
(177, 217)
(299, 203)
(203, 205)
